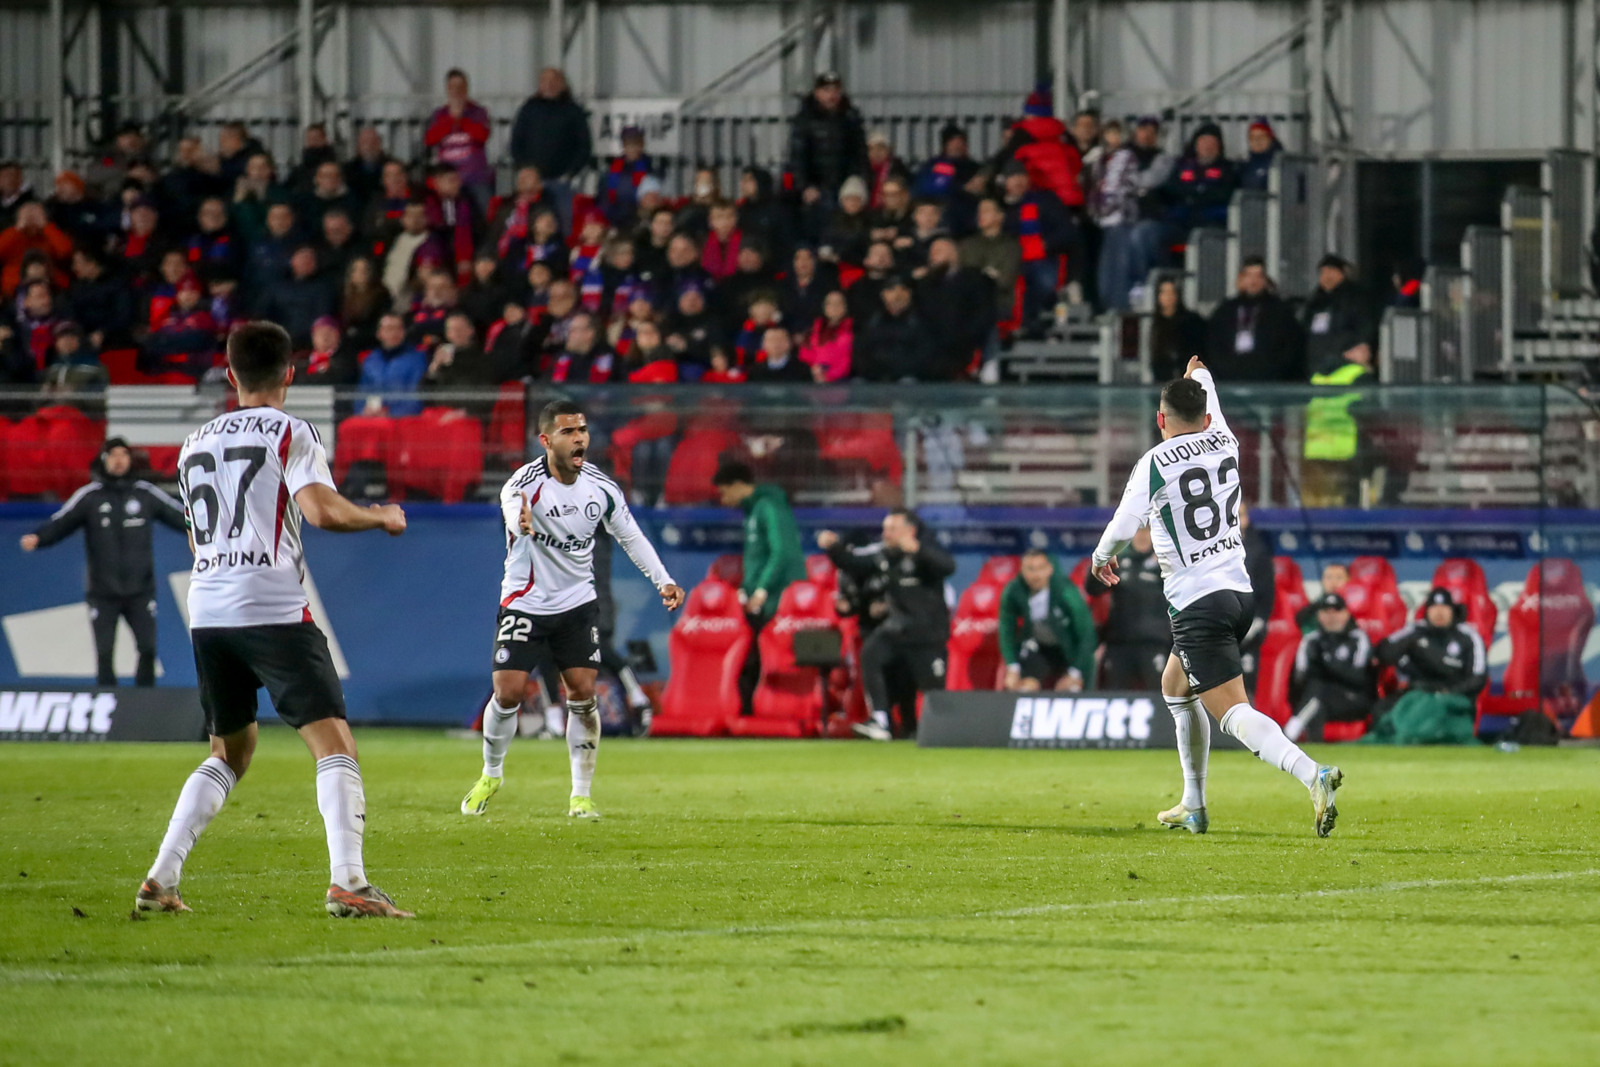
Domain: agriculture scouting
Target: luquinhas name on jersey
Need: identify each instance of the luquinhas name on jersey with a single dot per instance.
(570, 544)
(1222, 545)
(1178, 450)
(241, 424)
(204, 564)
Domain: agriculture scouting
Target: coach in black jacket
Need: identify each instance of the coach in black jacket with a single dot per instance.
(1333, 680)
(115, 511)
(914, 634)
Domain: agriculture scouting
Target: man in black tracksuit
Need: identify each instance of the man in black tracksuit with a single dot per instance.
(1333, 680)
(1138, 630)
(115, 511)
(915, 633)
(1440, 654)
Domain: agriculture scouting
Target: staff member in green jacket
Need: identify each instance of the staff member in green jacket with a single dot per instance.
(1047, 636)
(773, 557)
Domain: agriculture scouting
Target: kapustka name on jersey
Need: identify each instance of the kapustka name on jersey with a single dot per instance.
(1081, 722)
(79, 715)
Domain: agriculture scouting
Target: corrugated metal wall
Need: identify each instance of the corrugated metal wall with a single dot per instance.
(1429, 74)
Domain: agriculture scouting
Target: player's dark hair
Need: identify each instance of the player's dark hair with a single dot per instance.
(1037, 552)
(733, 472)
(1184, 399)
(553, 411)
(911, 517)
(258, 354)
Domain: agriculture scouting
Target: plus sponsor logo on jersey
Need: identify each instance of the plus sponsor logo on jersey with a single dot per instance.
(1081, 722)
(570, 545)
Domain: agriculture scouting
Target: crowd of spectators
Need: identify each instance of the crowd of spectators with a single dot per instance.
(849, 264)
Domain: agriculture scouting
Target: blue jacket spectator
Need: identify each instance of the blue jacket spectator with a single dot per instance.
(1201, 184)
(392, 373)
(946, 174)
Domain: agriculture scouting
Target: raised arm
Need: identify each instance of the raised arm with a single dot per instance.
(1199, 373)
(325, 509)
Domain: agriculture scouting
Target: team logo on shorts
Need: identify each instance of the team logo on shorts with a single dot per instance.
(501, 655)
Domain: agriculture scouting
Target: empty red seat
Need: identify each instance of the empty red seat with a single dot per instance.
(728, 567)
(1276, 656)
(508, 424)
(1549, 625)
(1344, 731)
(29, 457)
(5, 456)
(706, 650)
(789, 698)
(657, 372)
(362, 439)
(72, 441)
(693, 463)
(998, 570)
(162, 460)
(973, 656)
(821, 572)
(651, 427)
(1373, 596)
(439, 452)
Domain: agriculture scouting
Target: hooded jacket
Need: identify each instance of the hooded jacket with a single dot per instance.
(1199, 193)
(1039, 143)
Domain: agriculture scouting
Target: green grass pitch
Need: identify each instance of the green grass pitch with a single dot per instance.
(810, 903)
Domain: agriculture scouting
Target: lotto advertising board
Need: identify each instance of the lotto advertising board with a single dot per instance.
(1050, 720)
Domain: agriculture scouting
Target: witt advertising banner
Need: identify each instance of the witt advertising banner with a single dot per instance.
(981, 719)
(161, 714)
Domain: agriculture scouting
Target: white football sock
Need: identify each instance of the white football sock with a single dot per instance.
(343, 804)
(200, 800)
(1263, 737)
(1193, 727)
(499, 727)
(583, 743)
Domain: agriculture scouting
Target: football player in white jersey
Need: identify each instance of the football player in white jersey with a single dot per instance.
(248, 478)
(1187, 491)
(554, 508)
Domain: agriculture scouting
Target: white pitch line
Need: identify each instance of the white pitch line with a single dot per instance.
(34, 974)
(882, 920)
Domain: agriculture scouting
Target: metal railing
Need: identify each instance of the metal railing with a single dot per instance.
(1488, 326)
(1522, 215)
(1205, 264)
(1568, 179)
(1295, 234)
(1249, 219)
(1446, 303)
(1406, 347)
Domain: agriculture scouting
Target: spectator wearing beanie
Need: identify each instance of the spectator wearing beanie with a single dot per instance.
(946, 175)
(458, 136)
(827, 144)
(187, 342)
(1201, 185)
(847, 235)
(1256, 170)
(86, 220)
(883, 167)
(1039, 142)
(332, 360)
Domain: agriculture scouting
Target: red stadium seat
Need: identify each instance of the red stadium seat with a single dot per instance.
(651, 427)
(72, 441)
(707, 650)
(122, 366)
(1374, 598)
(865, 442)
(789, 698)
(1549, 625)
(728, 568)
(693, 463)
(29, 457)
(362, 438)
(973, 657)
(162, 460)
(5, 456)
(659, 372)
(821, 572)
(439, 452)
(508, 424)
(1344, 731)
(998, 570)
(1465, 580)
(1278, 648)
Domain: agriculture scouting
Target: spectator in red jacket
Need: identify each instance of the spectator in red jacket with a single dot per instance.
(1039, 141)
(458, 133)
(453, 217)
(720, 257)
(187, 342)
(33, 230)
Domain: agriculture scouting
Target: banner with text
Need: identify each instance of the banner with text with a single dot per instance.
(976, 719)
(165, 714)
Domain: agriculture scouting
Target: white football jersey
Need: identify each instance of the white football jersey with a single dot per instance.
(551, 570)
(238, 475)
(1186, 489)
